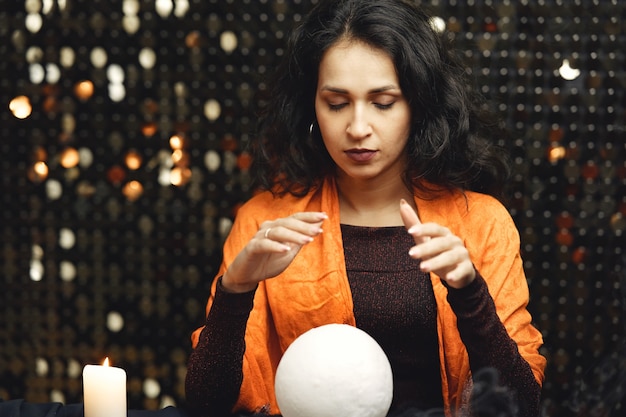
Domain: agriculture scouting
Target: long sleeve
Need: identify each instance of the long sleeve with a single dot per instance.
(214, 370)
(489, 345)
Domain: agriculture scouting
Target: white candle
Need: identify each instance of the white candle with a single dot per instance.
(104, 390)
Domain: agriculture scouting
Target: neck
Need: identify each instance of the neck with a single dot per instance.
(374, 205)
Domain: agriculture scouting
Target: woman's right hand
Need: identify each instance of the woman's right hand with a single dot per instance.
(271, 250)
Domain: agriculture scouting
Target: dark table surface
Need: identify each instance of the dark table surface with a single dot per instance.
(21, 408)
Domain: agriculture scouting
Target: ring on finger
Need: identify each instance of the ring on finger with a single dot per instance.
(267, 233)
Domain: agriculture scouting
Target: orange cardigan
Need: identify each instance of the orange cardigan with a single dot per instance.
(314, 289)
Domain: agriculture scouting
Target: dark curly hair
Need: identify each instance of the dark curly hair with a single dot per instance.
(452, 141)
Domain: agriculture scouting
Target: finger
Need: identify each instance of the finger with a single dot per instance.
(411, 220)
(460, 276)
(441, 262)
(435, 244)
(310, 216)
(409, 216)
(306, 223)
(287, 235)
(290, 230)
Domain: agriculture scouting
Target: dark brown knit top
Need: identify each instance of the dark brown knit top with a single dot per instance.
(395, 304)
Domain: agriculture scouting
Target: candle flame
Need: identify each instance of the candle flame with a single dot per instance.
(106, 362)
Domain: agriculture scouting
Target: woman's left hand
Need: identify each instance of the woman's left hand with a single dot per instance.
(440, 251)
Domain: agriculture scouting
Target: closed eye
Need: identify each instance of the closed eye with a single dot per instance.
(337, 107)
(381, 106)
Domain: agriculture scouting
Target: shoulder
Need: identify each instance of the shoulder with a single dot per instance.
(483, 205)
(462, 207)
(474, 216)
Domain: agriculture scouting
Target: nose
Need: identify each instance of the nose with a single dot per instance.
(359, 126)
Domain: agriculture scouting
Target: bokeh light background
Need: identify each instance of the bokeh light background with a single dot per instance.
(123, 129)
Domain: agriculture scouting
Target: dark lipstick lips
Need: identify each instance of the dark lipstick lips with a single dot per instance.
(360, 155)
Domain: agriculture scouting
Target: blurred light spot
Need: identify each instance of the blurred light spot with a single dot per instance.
(167, 401)
(117, 92)
(133, 160)
(244, 161)
(115, 321)
(41, 367)
(66, 57)
(98, 57)
(84, 89)
(85, 157)
(74, 368)
(180, 176)
(567, 72)
(50, 104)
(132, 190)
(38, 172)
(57, 396)
(177, 142)
(34, 54)
(224, 226)
(556, 153)
(36, 252)
(67, 238)
(228, 41)
(20, 107)
(230, 161)
(182, 6)
(212, 160)
(618, 222)
(115, 74)
(212, 109)
(33, 22)
(18, 39)
(164, 7)
(54, 190)
(131, 24)
(149, 129)
(564, 237)
(130, 7)
(85, 189)
(72, 173)
(48, 6)
(151, 388)
(53, 73)
(32, 6)
(116, 174)
(67, 271)
(146, 225)
(180, 89)
(68, 123)
(36, 270)
(69, 158)
(165, 176)
(180, 157)
(579, 255)
(147, 58)
(193, 39)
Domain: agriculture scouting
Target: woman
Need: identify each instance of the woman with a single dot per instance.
(377, 208)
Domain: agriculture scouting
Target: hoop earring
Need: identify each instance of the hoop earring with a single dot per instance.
(311, 128)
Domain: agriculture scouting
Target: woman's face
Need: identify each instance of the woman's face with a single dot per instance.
(363, 116)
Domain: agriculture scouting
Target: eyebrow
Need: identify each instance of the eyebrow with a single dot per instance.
(372, 91)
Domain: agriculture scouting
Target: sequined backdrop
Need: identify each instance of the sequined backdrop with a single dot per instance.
(123, 126)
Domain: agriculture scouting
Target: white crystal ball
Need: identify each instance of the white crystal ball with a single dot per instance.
(334, 370)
